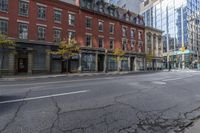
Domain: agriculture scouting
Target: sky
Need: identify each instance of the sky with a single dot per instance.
(113, 1)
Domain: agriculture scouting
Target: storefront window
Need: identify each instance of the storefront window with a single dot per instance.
(112, 63)
(39, 57)
(5, 61)
(140, 63)
(124, 64)
(88, 62)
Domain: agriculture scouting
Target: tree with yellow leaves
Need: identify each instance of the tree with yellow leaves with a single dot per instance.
(5, 43)
(67, 49)
(149, 57)
(119, 54)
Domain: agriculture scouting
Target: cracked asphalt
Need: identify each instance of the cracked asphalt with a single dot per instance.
(165, 102)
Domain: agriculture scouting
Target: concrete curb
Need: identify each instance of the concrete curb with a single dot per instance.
(72, 75)
(182, 70)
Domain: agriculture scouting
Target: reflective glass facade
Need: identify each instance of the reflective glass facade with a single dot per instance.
(179, 19)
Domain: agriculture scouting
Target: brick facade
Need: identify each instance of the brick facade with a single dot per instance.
(32, 44)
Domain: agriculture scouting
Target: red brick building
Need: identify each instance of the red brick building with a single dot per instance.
(37, 26)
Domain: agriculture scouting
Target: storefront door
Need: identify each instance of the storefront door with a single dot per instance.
(73, 66)
(132, 64)
(64, 66)
(22, 65)
(101, 63)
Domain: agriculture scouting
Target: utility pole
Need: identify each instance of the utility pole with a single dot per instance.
(198, 43)
(182, 27)
(197, 21)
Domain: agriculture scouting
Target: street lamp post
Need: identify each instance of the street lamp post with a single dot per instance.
(198, 46)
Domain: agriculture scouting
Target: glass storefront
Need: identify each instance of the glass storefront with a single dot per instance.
(140, 64)
(3, 59)
(112, 63)
(88, 62)
(124, 64)
(39, 59)
(56, 66)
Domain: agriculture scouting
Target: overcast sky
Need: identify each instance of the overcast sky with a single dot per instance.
(113, 1)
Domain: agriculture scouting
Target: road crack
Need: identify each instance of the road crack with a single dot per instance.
(16, 113)
(58, 110)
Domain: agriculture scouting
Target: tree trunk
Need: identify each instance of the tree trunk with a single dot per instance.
(2, 61)
(105, 62)
(67, 66)
(118, 65)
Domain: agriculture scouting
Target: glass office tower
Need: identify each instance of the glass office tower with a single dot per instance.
(179, 19)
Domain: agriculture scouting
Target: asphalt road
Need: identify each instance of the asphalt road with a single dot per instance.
(166, 102)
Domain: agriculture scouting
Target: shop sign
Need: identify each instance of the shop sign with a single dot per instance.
(75, 57)
(56, 56)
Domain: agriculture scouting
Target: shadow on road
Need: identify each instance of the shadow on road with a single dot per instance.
(7, 98)
(6, 107)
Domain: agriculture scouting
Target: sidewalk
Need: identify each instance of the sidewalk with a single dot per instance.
(182, 70)
(26, 77)
(195, 128)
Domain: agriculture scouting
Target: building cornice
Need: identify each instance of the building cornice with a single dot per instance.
(112, 18)
(153, 29)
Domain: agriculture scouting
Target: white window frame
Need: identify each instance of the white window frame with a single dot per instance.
(57, 37)
(133, 33)
(124, 34)
(4, 5)
(113, 43)
(71, 19)
(39, 16)
(23, 34)
(43, 34)
(88, 35)
(57, 12)
(5, 29)
(71, 34)
(100, 25)
(86, 22)
(22, 5)
(132, 43)
(124, 40)
(140, 36)
(112, 25)
(102, 40)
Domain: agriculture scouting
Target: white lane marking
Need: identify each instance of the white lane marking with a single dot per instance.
(56, 82)
(42, 97)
